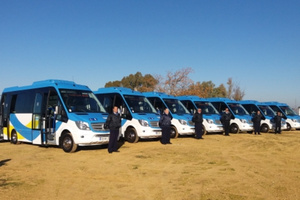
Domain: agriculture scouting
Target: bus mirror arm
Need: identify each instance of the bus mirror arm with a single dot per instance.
(58, 110)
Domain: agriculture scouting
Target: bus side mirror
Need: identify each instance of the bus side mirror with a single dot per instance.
(58, 110)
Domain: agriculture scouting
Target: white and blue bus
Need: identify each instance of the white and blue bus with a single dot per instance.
(53, 112)
(241, 120)
(292, 119)
(211, 122)
(139, 117)
(267, 124)
(182, 120)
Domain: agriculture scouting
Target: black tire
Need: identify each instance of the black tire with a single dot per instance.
(67, 143)
(131, 135)
(288, 127)
(14, 137)
(174, 132)
(234, 128)
(264, 128)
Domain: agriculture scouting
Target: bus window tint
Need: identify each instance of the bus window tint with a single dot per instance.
(237, 109)
(267, 111)
(176, 107)
(81, 101)
(288, 111)
(139, 104)
(206, 108)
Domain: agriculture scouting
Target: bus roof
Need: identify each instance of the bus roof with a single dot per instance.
(275, 103)
(120, 90)
(61, 84)
(159, 94)
(192, 98)
(226, 100)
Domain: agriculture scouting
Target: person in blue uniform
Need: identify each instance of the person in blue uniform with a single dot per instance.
(113, 122)
(277, 121)
(225, 119)
(198, 120)
(165, 125)
(256, 122)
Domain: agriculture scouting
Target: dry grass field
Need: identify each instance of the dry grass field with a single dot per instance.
(242, 166)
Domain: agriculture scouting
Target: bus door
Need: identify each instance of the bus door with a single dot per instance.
(37, 119)
(48, 128)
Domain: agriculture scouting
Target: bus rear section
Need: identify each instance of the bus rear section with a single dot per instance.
(241, 120)
(211, 122)
(181, 123)
(53, 112)
(139, 118)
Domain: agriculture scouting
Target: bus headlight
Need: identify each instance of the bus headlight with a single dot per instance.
(209, 121)
(82, 125)
(183, 122)
(243, 120)
(143, 122)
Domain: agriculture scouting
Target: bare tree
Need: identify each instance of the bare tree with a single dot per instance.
(234, 91)
(175, 82)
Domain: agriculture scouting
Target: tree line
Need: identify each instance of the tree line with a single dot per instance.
(178, 83)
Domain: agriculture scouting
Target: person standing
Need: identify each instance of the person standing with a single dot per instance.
(113, 122)
(225, 119)
(256, 122)
(198, 120)
(277, 121)
(165, 125)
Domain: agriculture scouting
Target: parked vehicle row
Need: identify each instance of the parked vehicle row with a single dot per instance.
(66, 114)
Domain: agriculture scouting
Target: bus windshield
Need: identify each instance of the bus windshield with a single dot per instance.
(237, 109)
(266, 110)
(81, 101)
(139, 104)
(176, 107)
(206, 108)
(288, 111)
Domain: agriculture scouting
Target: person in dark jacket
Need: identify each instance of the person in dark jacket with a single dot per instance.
(256, 122)
(113, 122)
(225, 119)
(165, 125)
(277, 121)
(198, 120)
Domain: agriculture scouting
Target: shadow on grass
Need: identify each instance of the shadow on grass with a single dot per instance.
(3, 162)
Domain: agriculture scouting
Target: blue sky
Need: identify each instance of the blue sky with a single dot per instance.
(256, 42)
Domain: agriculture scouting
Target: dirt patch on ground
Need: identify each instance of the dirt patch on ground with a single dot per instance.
(242, 166)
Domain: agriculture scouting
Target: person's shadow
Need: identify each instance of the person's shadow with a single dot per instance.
(3, 162)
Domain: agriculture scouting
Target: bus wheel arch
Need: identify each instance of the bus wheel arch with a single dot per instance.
(14, 137)
(288, 127)
(131, 135)
(174, 132)
(264, 128)
(234, 128)
(67, 142)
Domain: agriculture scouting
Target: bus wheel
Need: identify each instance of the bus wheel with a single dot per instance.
(68, 144)
(174, 132)
(14, 138)
(131, 135)
(234, 128)
(288, 127)
(264, 128)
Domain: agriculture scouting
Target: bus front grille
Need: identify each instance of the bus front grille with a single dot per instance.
(154, 123)
(98, 126)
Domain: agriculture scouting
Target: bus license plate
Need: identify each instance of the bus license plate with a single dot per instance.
(103, 138)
